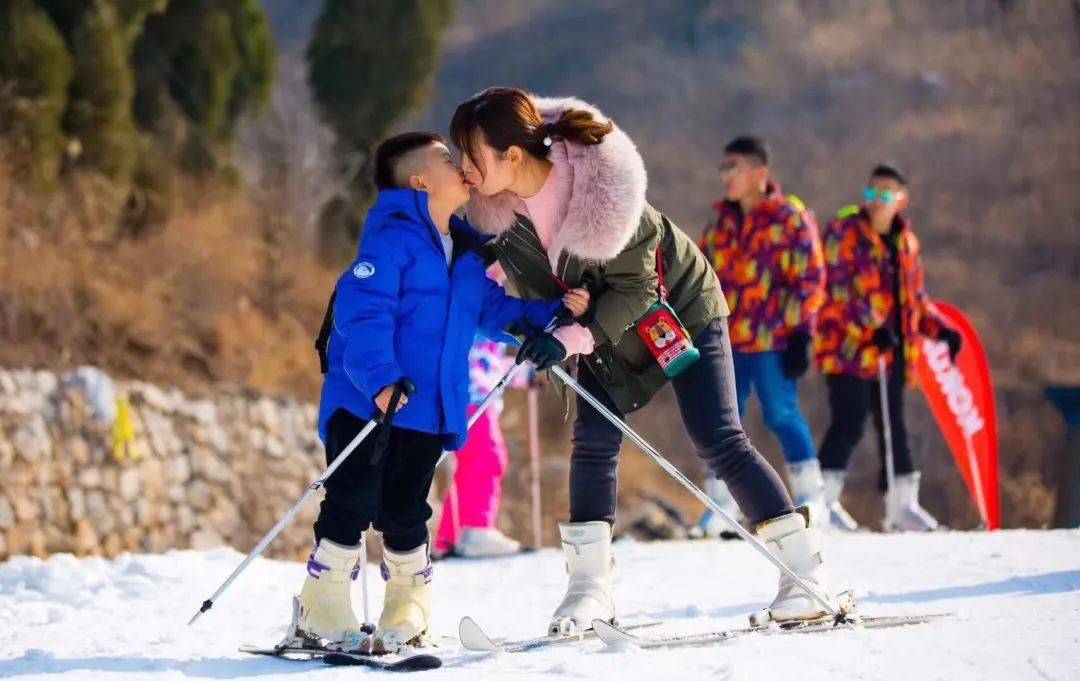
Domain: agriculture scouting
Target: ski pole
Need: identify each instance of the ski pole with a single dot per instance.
(534, 461)
(363, 573)
(694, 489)
(484, 403)
(886, 424)
(288, 517)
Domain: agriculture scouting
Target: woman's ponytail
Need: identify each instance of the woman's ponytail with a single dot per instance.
(579, 126)
(509, 117)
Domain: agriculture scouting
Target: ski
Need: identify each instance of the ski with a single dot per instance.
(295, 654)
(408, 663)
(612, 635)
(473, 638)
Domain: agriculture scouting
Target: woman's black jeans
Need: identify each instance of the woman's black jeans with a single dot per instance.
(706, 396)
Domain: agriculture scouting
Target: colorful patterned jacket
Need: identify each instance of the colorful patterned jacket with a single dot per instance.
(770, 268)
(859, 296)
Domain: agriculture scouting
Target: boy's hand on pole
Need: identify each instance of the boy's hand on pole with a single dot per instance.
(543, 350)
(382, 400)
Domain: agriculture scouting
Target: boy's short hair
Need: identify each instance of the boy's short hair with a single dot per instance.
(891, 171)
(749, 146)
(389, 153)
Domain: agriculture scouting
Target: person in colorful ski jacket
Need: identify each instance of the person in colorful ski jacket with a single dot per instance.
(767, 254)
(407, 308)
(876, 306)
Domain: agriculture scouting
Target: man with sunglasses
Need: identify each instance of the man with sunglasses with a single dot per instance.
(876, 306)
(767, 254)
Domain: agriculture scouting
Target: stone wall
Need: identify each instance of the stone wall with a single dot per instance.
(204, 472)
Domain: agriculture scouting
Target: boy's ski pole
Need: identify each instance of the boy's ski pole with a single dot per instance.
(404, 385)
(694, 489)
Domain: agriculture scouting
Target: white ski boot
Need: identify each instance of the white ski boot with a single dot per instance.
(326, 608)
(590, 593)
(798, 547)
(485, 542)
(711, 524)
(407, 604)
(902, 510)
(808, 488)
(839, 518)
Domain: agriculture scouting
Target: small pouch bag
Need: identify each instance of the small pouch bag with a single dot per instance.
(663, 333)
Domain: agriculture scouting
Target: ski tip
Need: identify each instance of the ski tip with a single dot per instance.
(472, 637)
(612, 635)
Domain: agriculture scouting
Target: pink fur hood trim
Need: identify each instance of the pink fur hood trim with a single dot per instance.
(607, 194)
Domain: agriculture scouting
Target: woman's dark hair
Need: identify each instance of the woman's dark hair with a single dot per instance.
(391, 150)
(508, 117)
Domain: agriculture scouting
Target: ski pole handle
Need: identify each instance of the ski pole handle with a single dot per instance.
(402, 387)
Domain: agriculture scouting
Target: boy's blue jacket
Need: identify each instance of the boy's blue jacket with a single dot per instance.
(401, 312)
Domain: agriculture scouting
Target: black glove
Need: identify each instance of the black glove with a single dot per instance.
(885, 339)
(795, 359)
(954, 340)
(563, 316)
(543, 350)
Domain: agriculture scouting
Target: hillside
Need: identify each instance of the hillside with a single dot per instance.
(977, 99)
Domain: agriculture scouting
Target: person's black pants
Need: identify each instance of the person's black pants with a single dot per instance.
(706, 396)
(851, 400)
(392, 494)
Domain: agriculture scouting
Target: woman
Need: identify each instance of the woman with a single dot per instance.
(563, 190)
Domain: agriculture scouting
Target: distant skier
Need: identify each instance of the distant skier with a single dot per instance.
(767, 254)
(407, 308)
(564, 190)
(875, 306)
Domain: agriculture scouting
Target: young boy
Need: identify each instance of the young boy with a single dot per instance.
(407, 308)
(767, 254)
(876, 306)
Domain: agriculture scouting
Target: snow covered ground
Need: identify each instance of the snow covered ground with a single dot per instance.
(1015, 598)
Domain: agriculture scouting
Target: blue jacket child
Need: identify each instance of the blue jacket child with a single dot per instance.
(401, 312)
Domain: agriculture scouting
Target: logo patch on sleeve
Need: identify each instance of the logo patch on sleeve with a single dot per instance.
(363, 270)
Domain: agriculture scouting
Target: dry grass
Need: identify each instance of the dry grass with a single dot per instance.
(187, 306)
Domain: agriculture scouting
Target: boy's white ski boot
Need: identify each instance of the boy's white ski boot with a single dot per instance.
(407, 604)
(326, 610)
(839, 518)
(799, 547)
(485, 542)
(590, 593)
(808, 487)
(902, 510)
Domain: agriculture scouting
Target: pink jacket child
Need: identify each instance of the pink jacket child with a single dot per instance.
(471, 507)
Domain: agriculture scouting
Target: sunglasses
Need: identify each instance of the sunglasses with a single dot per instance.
(885, 196)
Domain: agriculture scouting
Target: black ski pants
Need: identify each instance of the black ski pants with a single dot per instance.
(851, 401)
(705, 393)
(391, 494)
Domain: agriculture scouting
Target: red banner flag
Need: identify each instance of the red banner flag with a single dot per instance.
(962, 399)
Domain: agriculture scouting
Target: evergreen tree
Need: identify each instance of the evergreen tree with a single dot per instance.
(99, 115)
(35, 71)
(370, 64)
